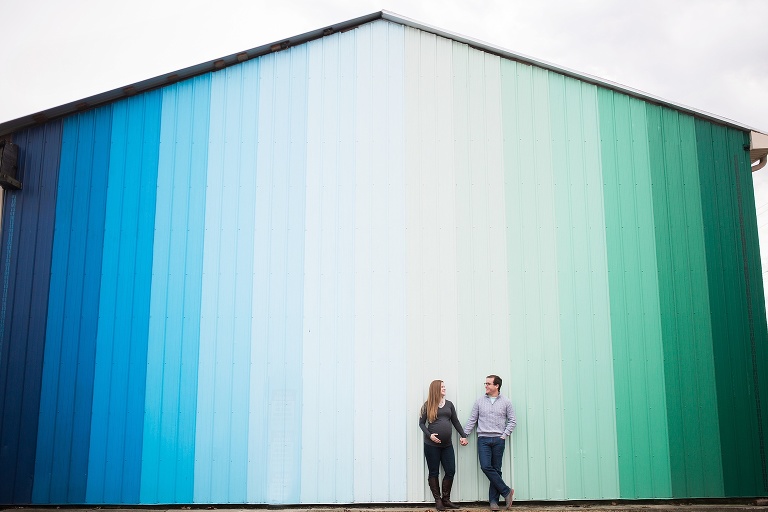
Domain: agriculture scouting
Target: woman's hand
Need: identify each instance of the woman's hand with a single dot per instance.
(435, 439)
(463, 441)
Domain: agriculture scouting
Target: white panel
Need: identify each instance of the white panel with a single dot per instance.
(433, 330)
(380, 459)
(311, 466)
(415, 347)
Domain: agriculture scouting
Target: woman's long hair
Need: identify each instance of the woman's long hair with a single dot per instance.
(433, 401)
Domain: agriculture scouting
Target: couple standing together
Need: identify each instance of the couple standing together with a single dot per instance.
(495, 419)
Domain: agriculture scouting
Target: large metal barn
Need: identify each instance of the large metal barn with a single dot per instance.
(233, 283)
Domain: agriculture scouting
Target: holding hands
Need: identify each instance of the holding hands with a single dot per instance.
(463, 441)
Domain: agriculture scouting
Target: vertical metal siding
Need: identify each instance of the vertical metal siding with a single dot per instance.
(276, 259)
(721, 156)
(117, 420)
(431, 237)
(277, 328)
(327, 462)
(585, 335)
(65, 406)
(638, 358)
(28, 223)
(684, 300)
(174, 331)
(221, 460)
(380, 339)
(534, 311)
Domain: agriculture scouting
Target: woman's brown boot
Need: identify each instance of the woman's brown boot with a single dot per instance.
(447, 484)
(435, 492)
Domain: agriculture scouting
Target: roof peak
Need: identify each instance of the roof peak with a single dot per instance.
(344, 26)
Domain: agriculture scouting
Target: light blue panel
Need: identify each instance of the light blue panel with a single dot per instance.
(193, 290)
(225, 324)
(294, 159)
(157, 344)
(169, 422)
(327, 462)
(209, 297)
(337, 256)
(260, 403)
(121, 347)
(275, 413)
(379, 265)
(64, 428)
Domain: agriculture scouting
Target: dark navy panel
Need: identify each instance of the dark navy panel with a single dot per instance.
(65, 404)
(25, 265)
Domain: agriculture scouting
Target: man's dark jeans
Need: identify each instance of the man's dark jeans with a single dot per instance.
(490, 451)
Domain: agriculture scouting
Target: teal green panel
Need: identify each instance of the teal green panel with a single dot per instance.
(736, 305)
(582, 267)
(684, 300)
(758, 361)
(638, 364)
(534, 327)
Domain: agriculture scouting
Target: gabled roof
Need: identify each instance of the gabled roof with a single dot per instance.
(230, 60)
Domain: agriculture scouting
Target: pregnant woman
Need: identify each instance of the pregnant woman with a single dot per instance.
(437, 417)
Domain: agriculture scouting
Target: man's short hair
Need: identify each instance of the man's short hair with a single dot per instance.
(496, 380)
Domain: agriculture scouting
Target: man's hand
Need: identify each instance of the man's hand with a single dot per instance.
(463, 441)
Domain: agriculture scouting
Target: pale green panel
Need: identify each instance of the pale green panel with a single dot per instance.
(536, 383)
(481, 247)
(590, 437)
(433, 342)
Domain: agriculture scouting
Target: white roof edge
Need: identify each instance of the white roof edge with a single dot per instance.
(503, 52)
(12, 125)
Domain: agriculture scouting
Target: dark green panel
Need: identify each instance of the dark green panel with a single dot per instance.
(737, 305)
(638, 369)
(689, 373)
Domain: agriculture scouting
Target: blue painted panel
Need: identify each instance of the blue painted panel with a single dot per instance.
(121, 352)
(225, 324)
(275, 442)
(25, 264)
(169, 422)
(204, 453)
(327, 464)
(260, 402)
(65, 409)
(193, 292)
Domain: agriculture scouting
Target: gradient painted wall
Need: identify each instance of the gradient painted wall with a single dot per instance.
(236, 289)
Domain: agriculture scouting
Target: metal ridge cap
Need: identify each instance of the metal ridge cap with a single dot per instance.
(584, 77)
(12, 125)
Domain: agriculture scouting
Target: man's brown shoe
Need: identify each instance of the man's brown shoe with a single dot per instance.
(494, 506)
(510, 499)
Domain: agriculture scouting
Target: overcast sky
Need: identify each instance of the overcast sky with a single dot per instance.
(708, 54)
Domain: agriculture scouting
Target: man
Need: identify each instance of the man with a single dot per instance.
(495, 419)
